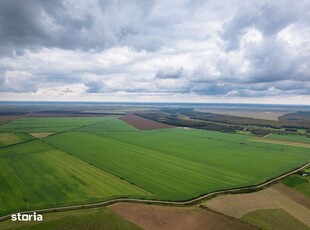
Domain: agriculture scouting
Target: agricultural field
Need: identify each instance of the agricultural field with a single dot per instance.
(157, 217)
(295, 138)
(13, 138)
(36, 125)
(289, 208)
(98, 218)
(280, 142)
(111, 124)
(6, 119)
(40, 135)
(174, 163)
(273, 219)
(299, 183)
(142, 123)
(36, 175)
(91, 159)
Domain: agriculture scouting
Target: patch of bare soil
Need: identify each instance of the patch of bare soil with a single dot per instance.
(153, 217)
(142, 123)
(294, 195)
(6, 119)
(240, 204)
(40, 135)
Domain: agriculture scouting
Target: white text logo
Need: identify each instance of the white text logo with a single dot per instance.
(27, 217)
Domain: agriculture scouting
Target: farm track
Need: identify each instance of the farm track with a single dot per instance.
(171, 203)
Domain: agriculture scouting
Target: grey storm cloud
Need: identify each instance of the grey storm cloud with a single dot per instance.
(86, 25)
(154, 47)
(170, 73)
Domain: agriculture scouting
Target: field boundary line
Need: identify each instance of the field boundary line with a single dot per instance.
(69, 130)
(6, 146)
(159, 202)
(93, 165)
(12, 120)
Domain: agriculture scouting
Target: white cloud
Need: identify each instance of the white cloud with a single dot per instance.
(155, 50)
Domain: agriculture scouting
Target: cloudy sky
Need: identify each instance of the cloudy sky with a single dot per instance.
(155, 50)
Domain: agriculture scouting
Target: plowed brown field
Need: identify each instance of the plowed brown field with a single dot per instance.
(6, 119)
(143, 123)
(152, 217)
(270, 198)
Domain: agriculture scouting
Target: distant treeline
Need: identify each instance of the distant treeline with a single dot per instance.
(225, 123)
(295, 120)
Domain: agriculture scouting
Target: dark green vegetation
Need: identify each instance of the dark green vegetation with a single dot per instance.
(188, 117)
(96, 219)
(36, 175)
(32, 125)
(13, 138)
(299, 183)
(273, 219)
(109, 125)
(296, 120)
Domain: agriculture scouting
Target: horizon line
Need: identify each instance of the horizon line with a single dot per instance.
(149, 102)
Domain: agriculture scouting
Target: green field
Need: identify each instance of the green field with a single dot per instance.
(100, 158)
(96, 219)
(109, 125)
(13, 138)
(35, 175)
(273, 219)
(296, 138)
(230, 152)
(178, 164)
(33, 125)
(299, 183)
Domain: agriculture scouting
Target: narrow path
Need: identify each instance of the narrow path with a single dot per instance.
(175, 203)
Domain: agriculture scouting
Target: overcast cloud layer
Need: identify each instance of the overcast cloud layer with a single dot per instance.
(176, 50)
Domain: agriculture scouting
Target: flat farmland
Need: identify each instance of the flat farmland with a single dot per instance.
(101, 158)
(168, 177)
(112, 124)
(231, 152)
(280, 142)
(95, 218)
(273, 219)
(6, 119)
(37, 125)
(142, 123)
(238, 205)
(278, 207)
(300, 139)
(154, 217)
(299, 183)
(36, 175)
(13, 138)
(178, 164)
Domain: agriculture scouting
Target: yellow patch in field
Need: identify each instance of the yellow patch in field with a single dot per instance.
(40, 135)
(279, 142)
